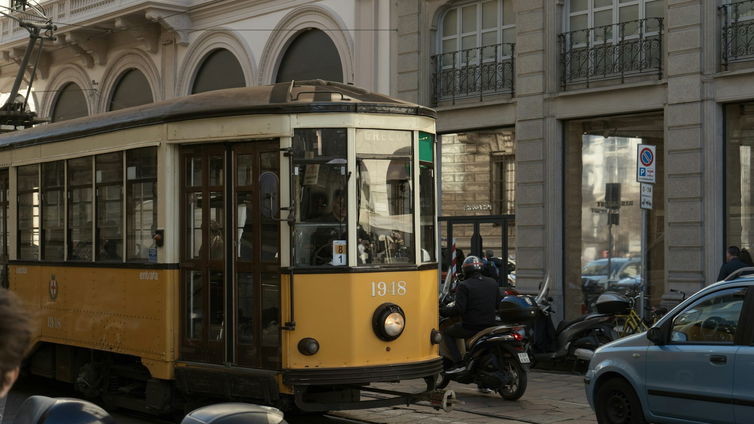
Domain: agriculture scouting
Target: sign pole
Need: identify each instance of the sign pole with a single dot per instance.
(646, 167)
(644, 281)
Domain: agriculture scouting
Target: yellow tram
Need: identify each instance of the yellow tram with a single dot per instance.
(272, 244)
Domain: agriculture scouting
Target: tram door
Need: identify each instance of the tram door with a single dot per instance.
(230, 261)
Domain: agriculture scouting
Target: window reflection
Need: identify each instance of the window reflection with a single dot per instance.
(320, 177)
(28, 212)
(603, 223)
(53, 210)
(385, 197)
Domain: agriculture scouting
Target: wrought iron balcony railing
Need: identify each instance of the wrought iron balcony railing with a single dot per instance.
(737, 32)
(472, 73)
(612, 51)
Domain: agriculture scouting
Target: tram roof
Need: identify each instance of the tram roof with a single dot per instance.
(312, 96)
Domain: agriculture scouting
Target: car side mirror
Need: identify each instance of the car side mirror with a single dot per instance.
(656, 335)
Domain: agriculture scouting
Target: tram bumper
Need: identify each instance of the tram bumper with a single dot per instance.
(324, 389)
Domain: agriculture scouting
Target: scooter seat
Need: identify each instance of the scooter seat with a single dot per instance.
(486, 331)
(565, 324)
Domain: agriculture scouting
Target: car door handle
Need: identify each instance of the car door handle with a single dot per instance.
(718, 359)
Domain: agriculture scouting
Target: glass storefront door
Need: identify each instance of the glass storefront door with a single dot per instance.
(603, 223)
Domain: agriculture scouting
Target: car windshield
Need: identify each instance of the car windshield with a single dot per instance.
(599, 267)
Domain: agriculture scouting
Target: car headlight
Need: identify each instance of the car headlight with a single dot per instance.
(388, 321)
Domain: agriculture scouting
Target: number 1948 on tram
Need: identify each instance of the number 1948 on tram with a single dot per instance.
(271, 244)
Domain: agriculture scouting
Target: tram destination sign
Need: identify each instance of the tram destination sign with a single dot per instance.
(645, 163)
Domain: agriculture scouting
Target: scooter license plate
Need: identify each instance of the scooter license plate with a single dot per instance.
(524, 358)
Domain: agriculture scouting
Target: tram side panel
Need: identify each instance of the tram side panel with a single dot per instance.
(337, 311)
(125, 311)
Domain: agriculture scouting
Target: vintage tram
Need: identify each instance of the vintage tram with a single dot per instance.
(270, 244)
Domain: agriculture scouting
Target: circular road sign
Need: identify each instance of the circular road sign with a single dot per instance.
(646, 156)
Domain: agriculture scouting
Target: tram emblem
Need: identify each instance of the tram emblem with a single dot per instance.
(53, 287)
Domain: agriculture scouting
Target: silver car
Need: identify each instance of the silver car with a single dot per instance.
(695, 365)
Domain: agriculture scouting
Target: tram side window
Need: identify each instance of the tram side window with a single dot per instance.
(109, 233)
(27, 182)
(385, 197)
(320, 175)
(427, 196)
(80, 209)
(53, 211)
(141, 204)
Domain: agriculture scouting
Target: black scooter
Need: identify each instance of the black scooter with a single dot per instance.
(494, 358)
(572, 343)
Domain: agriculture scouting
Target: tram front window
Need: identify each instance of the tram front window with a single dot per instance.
(385, 232)
(320, 175)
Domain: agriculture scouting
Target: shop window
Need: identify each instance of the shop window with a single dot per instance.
(311, 55)
(218, 71)
(739, 175)
(69, 104)
(602, 214)
(132, 89)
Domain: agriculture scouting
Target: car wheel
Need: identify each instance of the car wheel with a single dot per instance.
(617, 403)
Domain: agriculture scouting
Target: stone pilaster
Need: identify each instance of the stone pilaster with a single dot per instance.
(685, 148)
(531, 162)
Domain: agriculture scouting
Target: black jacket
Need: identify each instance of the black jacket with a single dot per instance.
(729, 267)
(476, 301)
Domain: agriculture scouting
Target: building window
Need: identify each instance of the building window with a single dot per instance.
(503, 167)
(70, 103)
(311, 55)
(606, 14)
(737, 29)
(476, 47)
(607, 39)
(132, 89)
(218, 71)
(603, 223)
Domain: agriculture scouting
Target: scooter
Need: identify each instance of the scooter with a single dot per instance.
(494, 359)
(571, 344)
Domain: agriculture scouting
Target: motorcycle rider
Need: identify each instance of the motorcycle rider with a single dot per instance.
(476, 301)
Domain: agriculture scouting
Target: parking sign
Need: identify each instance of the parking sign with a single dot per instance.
(645, 163)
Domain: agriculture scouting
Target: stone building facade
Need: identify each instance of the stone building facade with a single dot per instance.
(594, 79)
(542, 104)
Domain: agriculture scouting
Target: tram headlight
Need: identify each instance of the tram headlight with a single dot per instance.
(308, 346)
(388, 321)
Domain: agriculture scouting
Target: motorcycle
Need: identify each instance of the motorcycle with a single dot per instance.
(494, 359)
(571, 343)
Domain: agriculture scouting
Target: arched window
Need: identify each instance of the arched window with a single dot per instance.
(70, 103)
(311, 55)
(468, 27)
(132, 89)
(219, 70)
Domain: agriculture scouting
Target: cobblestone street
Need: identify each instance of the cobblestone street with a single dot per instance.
(551, 398)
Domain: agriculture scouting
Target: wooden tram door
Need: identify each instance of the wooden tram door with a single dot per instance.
(230, 291)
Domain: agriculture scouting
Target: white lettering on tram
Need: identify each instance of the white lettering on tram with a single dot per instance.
(147, 275)
(393, 288)
(53, 322)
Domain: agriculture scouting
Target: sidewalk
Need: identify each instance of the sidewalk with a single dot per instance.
(550, 398)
